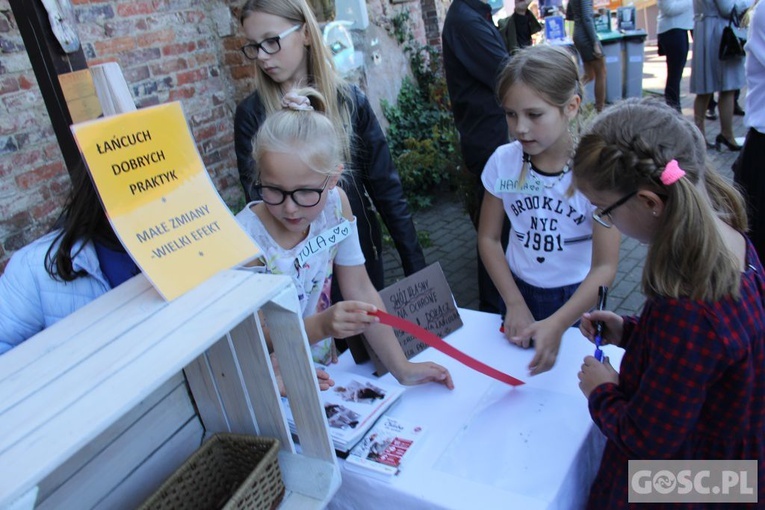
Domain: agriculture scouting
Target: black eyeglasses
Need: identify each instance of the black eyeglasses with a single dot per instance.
(603, 216)
(269, 46)
(304, 197)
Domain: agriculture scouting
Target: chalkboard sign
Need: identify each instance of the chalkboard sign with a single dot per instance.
(425, 299)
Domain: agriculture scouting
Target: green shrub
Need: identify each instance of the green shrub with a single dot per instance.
(421, 133)
(420, 167)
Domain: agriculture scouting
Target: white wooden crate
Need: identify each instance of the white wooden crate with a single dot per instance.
(102, 389)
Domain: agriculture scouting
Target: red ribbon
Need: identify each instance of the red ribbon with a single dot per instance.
(437, 343)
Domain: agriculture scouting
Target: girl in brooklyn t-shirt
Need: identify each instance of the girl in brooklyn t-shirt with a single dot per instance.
(556, 257)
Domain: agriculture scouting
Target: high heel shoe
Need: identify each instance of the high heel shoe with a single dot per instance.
(721, 140)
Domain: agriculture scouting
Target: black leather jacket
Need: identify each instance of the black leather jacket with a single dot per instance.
(373, 180)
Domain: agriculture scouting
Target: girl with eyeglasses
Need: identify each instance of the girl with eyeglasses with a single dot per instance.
(306, 229)
(692, 378)
(288, 50)
(557, 257)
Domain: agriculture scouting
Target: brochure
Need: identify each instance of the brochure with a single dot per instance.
(352, 406)
(385, 448)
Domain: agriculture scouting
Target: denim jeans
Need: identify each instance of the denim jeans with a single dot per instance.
(675, 44)
(543, 302)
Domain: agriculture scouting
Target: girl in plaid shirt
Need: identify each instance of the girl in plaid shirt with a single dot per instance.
(692, 380)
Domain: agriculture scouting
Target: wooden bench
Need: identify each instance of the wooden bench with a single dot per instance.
(99, 409)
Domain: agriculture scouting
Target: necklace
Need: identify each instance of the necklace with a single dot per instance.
(546, 185)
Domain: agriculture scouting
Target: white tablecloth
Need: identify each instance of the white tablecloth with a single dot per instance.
(489, 445)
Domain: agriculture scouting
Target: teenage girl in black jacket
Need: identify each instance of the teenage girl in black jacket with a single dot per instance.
(287, 45)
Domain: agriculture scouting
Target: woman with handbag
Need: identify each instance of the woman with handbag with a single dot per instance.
(710, 74)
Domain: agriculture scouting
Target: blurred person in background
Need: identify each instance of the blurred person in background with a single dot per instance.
(709, 74)
(589, 47)
(474, 53)
(749, 169)
(674, 21)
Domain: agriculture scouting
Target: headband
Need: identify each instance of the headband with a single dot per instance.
(671, 173)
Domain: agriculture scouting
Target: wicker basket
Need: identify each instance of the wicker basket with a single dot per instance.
(229, 471)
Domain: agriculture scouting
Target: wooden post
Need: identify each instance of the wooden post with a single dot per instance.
(49, 61)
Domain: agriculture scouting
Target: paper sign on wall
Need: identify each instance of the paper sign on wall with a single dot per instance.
(159, 198)
(602, 21)
(555, 29)
(425, 299)
(625, 18)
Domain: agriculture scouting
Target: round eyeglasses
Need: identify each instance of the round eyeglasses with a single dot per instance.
(269, 46)
(603, 216)
(304, 197)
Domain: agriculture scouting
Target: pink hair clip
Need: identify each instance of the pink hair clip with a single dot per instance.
(671, 173)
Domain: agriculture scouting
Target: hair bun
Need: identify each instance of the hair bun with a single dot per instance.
(294, 101)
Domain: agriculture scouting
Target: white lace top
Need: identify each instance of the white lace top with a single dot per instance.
(331, 239)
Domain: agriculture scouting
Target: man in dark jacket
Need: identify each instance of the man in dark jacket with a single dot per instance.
(518, 28)
(474, 53)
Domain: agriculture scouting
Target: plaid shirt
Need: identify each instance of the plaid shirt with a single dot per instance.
(691, 386)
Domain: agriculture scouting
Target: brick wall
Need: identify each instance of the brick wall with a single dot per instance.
(433, 14)
(169, 50)
(33, 178)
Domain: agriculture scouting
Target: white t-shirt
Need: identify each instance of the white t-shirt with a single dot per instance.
(331, 239)
(551, 233)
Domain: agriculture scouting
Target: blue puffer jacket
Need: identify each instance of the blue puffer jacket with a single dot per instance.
(30, 300)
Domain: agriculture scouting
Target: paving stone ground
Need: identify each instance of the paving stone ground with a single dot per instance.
(453, 238)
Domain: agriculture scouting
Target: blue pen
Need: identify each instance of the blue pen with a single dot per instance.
(602, 296)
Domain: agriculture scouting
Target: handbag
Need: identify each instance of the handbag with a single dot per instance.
(732, 40)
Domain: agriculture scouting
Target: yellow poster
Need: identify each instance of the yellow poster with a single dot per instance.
(160, 199)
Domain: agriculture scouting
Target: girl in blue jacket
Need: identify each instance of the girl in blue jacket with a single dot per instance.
(64, 270)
